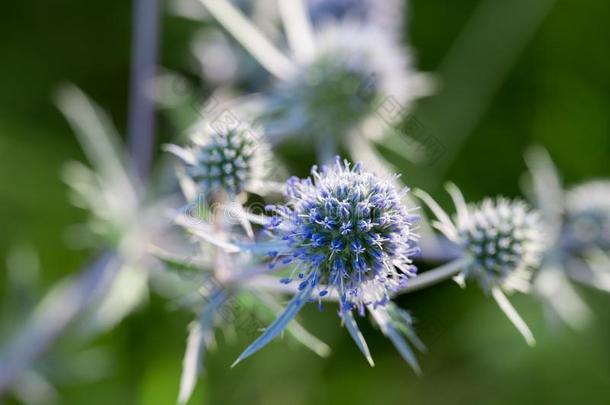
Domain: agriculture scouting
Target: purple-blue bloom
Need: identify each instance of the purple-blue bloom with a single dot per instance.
(346, 232)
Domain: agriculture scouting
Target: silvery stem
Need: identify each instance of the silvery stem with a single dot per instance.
(427, 279)
(141, 105)
(436, 275)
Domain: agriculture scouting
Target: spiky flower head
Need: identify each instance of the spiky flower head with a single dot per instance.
(588, 214)
(226, 159)
(504, 238)
(348, 231)
(355, 66)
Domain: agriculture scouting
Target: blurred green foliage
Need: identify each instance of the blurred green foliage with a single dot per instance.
(558, 94)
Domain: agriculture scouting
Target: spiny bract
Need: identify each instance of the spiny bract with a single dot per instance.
(348, 231)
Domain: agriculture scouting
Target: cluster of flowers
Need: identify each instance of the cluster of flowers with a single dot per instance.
(351, 232)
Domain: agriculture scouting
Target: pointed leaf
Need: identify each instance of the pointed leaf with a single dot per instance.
(308, 340)
(200, 336)
(191, 364)
(383, 319)
(547, 186)
(296, 329)
(513, 315)
(554, 287)
(98, 138)
(250, 37)
(405, 325)
(447, 225)
(279, 324)
(403, 348)
(352, 328)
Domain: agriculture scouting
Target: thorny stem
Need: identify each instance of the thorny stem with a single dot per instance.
(436, 275)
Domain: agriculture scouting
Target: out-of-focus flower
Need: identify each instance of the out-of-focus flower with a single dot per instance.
(110, 288)
(332, 86)
(120, 213)
(577, 222)
(344, 232)
(588, 214)
(331, 94)
(504, 241)
(587, 233)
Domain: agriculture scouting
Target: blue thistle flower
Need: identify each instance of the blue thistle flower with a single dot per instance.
(503, 240)
(347, 234)
(229, 159)
(504, 237)
(574, 221)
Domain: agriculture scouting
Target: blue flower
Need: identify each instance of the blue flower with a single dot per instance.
(348, 234)
(503, 240)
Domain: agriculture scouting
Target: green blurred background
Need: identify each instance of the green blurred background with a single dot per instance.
(557, 94)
